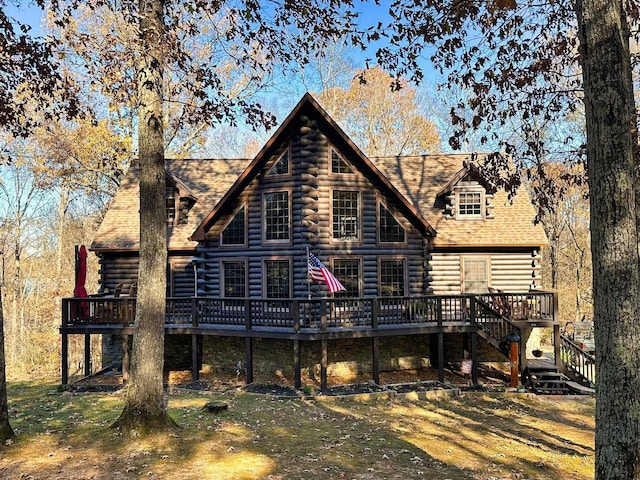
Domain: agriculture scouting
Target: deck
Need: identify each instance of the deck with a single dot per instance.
(493, 316)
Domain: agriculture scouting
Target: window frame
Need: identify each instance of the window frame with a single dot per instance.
(280, 241)
(360, 279)
(231, 219)
(359, 219)
(269, 175)
(380, 206)
(333, 150)
(266, 276)
(463, 191)
(405, 274)
(463, 259)
(222, 269)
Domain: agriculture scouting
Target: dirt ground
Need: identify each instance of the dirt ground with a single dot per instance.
(490, 378)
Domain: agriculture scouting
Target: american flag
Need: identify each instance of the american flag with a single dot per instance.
(319, 272)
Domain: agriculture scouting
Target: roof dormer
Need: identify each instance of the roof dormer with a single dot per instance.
(179, 200)
(467, 196)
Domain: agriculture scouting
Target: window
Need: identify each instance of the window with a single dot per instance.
(475, 275)
(234, 232)
(346, 225)
(392, 277)
(276, 216)
(235, 284)
(281, 167)
(339, 164)
(469, 204)
(170, 204)
(277, 279)
(390, 229)
(348, 272)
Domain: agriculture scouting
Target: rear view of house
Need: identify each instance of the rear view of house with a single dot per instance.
(425, 247)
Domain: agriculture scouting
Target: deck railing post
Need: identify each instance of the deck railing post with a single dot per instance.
(472, 309)
(375, 308)
(323, 315)
(295, 309)
(247, 313)
(194, 311)
(439, 311)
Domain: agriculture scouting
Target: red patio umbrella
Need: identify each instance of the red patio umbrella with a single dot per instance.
(81, 277)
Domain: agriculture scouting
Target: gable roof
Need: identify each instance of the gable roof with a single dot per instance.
(422, 178)
(416, 181)
(206, 179)
(309, 107)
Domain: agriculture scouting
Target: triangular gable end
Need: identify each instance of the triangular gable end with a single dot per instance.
(468, 172)
(308, 105)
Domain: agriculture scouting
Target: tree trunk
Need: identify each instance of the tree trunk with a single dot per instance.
(144, 409)
(611, 157)
(6, 432)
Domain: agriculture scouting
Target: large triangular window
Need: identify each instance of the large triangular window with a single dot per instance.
(234, 232)
(339, 164)
(281, 167)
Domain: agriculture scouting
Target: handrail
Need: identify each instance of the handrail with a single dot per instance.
(581, 363)
(318, 314)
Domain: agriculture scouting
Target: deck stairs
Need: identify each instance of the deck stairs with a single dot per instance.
(546, 379)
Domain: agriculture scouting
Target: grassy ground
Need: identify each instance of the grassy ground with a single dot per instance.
(62, 435)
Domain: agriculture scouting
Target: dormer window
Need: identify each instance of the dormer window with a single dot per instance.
(469, 204)
(178, 201)
(281, 167)
(338, 164)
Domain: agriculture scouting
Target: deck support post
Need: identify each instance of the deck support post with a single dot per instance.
(248, 358)
(474, 358)
(195, 371)
(440, 357)
(556, 346)
(87, 354)
(375, 359)
(323, 365)
(65, 359)
(297, 373)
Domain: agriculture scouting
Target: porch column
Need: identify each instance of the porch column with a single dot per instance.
(323, 365)
(474, 358)
(297, 373)
(87, 354)
(375, 359)
(440, 357)
(195, 371)
(65, 359)
(248, 357)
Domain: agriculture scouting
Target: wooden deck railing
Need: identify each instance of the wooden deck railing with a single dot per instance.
(578, 361)
(318, 314)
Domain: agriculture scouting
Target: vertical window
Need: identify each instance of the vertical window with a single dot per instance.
(392, 277)
(348, 272)
(235, 283)
(170, 204)
(345, 221)
(390, 229)
(281, 167)
(277, 279)
(234, 232)
(469, 204)
(338, 164)
(276, 216)
(475, 275)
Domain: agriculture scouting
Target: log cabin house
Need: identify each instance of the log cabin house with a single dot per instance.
(437, 264)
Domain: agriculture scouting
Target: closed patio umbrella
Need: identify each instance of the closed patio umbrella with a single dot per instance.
(80, 290)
